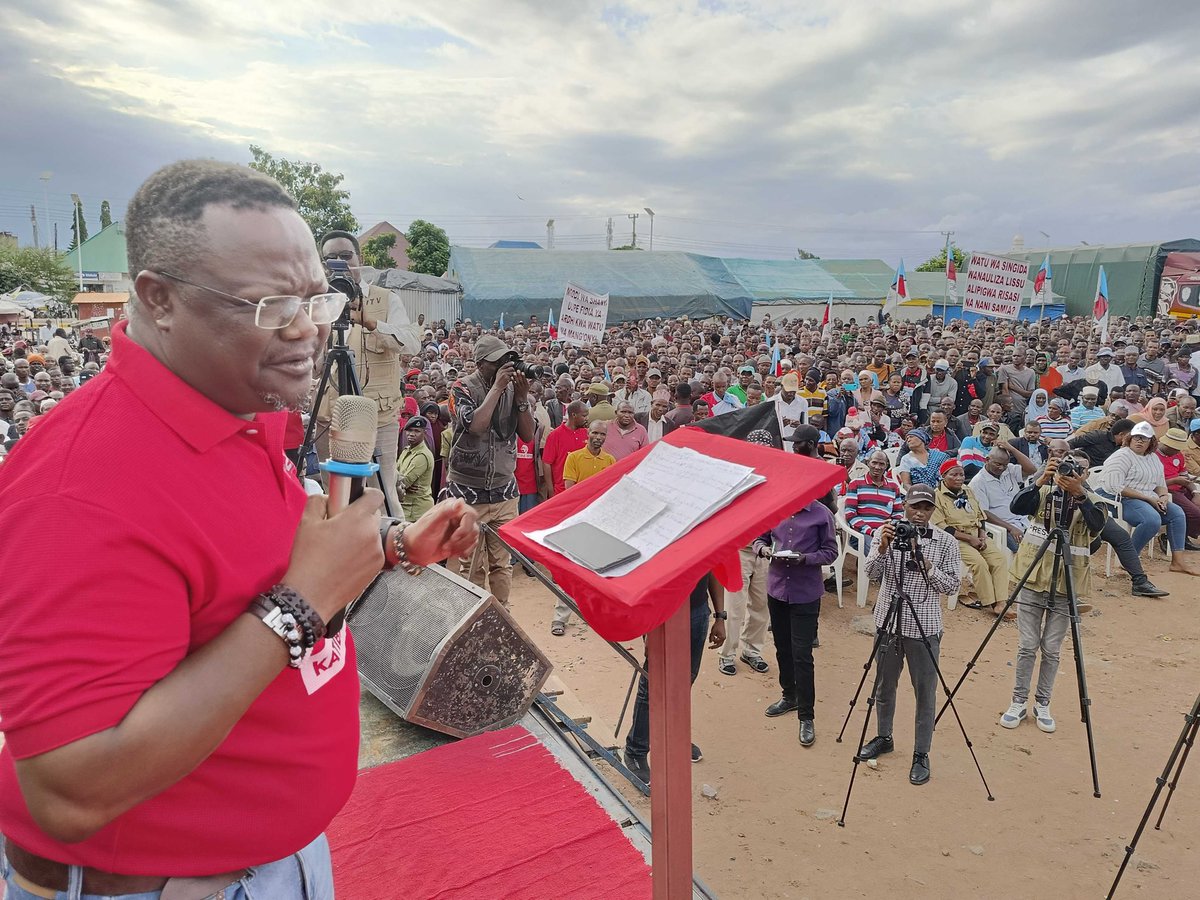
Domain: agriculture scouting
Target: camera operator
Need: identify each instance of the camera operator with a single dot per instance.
(379, 331)
(1057, 496)
(924, 579)
(491, 407)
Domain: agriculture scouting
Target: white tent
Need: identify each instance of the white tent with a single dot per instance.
(9, 308)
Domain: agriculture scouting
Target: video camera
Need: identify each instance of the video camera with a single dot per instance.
(532, 372)
(339, 280)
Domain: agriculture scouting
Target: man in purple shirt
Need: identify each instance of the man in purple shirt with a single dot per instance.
(798, 547)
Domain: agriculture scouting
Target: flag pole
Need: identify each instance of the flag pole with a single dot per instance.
(946, 280)
(1042, 311)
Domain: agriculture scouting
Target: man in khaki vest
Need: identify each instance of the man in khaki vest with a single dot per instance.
(381, 331)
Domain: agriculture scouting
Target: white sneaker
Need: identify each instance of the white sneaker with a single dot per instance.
(1041, 715)
(1015, 716)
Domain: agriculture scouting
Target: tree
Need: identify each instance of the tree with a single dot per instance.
(428, 248)
(320, 200)
(804, 254)
(105, 215)
(375, 252)
(627, 247)
(36, 270)
(938, 263)
(82, 235)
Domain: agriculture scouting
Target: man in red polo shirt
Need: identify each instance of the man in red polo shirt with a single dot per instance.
(175, 718)
(571, 435)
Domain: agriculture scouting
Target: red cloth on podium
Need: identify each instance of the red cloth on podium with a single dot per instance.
(620, 609)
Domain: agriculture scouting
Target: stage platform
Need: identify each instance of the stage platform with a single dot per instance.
(386, 739)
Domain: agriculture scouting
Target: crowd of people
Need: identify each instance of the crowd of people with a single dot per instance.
(971, 414)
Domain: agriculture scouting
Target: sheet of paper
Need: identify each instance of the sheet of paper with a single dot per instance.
(623, 509)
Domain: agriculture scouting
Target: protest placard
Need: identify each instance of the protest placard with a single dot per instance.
(995, 285)
(583, 317)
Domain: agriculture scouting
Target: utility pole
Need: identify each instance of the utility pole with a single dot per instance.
(650, 213)
(609, 239)
(634, 217)
(45, 178)
(33, 219)
(78, 239)
(55, 237)
(549, 234)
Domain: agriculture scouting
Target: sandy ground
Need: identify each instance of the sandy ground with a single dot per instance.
(771, 831)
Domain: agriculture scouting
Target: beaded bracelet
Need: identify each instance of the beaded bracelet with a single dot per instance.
(401, 553)
(291, 617)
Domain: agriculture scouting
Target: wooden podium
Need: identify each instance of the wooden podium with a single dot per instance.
(651, 601)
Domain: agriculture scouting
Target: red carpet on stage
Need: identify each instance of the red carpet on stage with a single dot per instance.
(493, 817)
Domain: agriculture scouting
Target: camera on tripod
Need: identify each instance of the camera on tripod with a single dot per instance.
(906, 535)
(339, 280)
(531, 372)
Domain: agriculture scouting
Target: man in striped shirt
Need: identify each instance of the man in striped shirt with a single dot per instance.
(1055, 423)
(872, 500)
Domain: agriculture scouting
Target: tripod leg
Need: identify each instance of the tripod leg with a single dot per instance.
(951, 694)
(625, 706)
(884, 638)
(1188, 727)
(949, 699)
(310, 432)
(862, 681)
(1188, 742)
(348, 384)
(1085, 702)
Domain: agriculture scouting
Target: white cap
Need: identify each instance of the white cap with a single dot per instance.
(1143, 429)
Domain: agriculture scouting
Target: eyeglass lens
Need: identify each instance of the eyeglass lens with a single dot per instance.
(280, 312)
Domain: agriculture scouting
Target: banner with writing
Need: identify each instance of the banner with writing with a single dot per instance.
(584, 316)
(995, 285)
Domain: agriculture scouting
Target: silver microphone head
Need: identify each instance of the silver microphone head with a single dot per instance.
(352, 429)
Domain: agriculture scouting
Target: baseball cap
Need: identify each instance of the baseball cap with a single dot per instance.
(919, 493)
(749, 369)
(942, 366)
(804, 433)
(1142, 429)
(989, 425)
(878, 400)
(986, 361)
(490, 348)
(1104, 351)
(650, 372)
(598, 390)
(619, 377)
(1194, 425)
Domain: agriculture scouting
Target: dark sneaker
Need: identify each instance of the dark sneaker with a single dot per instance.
(919, 774)
(637, 764)
(781, 707)
(876, 746)
(757, 663)
(807, 733)
(697, 755)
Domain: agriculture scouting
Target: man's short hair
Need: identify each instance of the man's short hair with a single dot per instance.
(1121, 426)
(163, 228)
(337, 233)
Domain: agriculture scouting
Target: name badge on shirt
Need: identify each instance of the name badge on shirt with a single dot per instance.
(324, 662)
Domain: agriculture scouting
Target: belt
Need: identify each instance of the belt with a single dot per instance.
(49, 876)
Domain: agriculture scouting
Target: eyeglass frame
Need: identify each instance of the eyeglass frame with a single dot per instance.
(258, 304)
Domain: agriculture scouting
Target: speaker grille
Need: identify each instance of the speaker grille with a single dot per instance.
(441, 652)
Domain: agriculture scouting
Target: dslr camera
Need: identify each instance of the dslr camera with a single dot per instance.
(906, 535)
(1070, 467)
(529, 371)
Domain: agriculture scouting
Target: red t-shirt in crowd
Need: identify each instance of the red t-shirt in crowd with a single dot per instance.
(180, 513)
(939, 442)
(526, 473)
(562, 441)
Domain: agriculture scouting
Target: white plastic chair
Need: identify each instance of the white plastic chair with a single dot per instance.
(851, 543)
(997, 536)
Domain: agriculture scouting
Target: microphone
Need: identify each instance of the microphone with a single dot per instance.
(352, 430)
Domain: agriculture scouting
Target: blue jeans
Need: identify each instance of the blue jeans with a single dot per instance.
(637, 742)
(307, 875)
(1146, 520)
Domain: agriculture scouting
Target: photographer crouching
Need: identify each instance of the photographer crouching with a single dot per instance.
(491, 407)
(1057, 496)
(925, 576)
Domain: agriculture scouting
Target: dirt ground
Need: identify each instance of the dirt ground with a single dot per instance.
(771, 831)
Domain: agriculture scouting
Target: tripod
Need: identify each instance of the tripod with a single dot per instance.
(347, 383)
(888, 636)
(1062, 548)
(1187, 737)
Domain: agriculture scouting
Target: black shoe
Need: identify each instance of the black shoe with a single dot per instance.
(1144, 588)
(919, 774)
(757, 663)
(830, 585)
(637, 764)
(696, 754)
(816, 643)
(876, 746)
(1188, 545)
(781, 707)
(807, 733)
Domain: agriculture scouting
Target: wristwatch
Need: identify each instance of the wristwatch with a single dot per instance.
(723, 614)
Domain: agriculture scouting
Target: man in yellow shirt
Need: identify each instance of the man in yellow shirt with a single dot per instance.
(589, 460)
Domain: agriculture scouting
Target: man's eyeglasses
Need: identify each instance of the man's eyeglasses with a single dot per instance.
(275, 312)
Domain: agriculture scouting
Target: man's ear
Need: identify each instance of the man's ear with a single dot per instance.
(155, 297)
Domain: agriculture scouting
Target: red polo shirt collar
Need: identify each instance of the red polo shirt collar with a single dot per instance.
(190, 414)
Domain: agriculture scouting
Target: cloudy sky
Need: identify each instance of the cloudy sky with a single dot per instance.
(848, 128)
